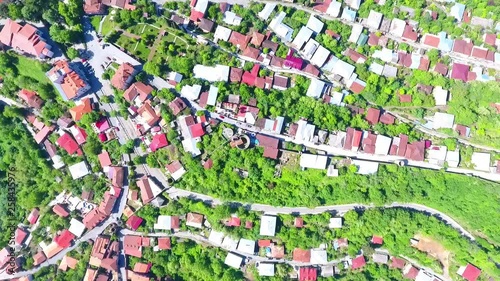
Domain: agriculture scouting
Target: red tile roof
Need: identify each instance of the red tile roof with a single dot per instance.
(358, 262)
(197, 130)
(20, 235)
(471, 273)
(300, 255)
(134, 222)
(24, 38)
(372, 116)
(441, 69)
(235, 74)
(239, 40)
(479, 53)
(267, 141)
(158, 141)
(196, 15)
(460, 71)
(64, 239)
(104, 159)
(234, 221)
(257, 38)
(43, 134)
(424, 64)
(403, 143)
(132, 246)
(145, 187)
(93, 218)
(177, 105)
(122, 75)
(298, 222)
(377, 240)
(142, 267)
(411, 273)
(72, 84)
(33, 216)
(208, 164)
(270, 152)
(387, 119)
(356, 139)
(251, 52)
(38, 258)
(308, 274)
(405, 98)
(138, 89)
(311, 69)
(490, 39)
(31, 98)
(373, 39)
(462, 47)
(83, 108)
(431, 40)
(409, 34)
(356, 87)
(397, 263)
(60, 210)
(415, 151)
(264, 243)
(164, 243)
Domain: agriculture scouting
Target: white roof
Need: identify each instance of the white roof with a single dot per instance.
(320, 56)
(334, 9)
(313, 161)
(229, 243)
(78, 170)
(222, 33)
(330, 65)
(337, 98)
(266, 12)
(216, 237)
(385, 54)
(163, 223)
(57, 162)
(231, 18)
(76, 227)
(233, 260)
(335, 223)
(382, 145)
(481, 161)
(201, 6)
(440, 95)
(190, 145)
(191, 92)
(175, 76)
(376, 68)
(443, 120)
(397, 27)
(266, 269)
(453, 158)
(315, 24)
(302, 37)
(332, 172)
(282, 30)
(276, 21)
(211, 73)
(268, 225)
(353, 3)
(437, 154)
(246, 246)
(356, 31)
(212, 95)
(457, 11)
(415, 61)
(309, 49)
(374, 20)
(424, 276)
(390, 71)
(318, 256)
(343, 69)
(305, 131)
(315, 89)
(366, 167)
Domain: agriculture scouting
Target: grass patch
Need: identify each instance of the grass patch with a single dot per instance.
(108, 25)
(141, 51)
(95, 21)
(32, 68)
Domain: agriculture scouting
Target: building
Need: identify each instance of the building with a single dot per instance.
(212, 73)
(246, 246)
(265, 269)
(177, 105)
(139, 91)
(82, 107)
(231, 18)
(194, 220)
(31, 98)
(318, 256)
(26, 39)
(68, 79)
(358, 262)
(268, 225)
(239, 40)
(481, 161)
(313, 161)
(374, 20)
(120, 4)
(443, 120)
(469, 272)
(222, 33)
(300, 255)
(233, 260)
(176, 170)
(123, 76)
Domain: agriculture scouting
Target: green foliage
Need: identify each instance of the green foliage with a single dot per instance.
(72, 53)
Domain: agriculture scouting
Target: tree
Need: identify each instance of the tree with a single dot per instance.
(72, 53)
(61, 35)
(141, 77)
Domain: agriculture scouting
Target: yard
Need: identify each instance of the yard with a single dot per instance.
(95, 21)
(133, 46)
(31, 68)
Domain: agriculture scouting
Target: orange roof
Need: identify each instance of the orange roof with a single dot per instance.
(148, 114)
(67, 262)
(138, 88)
(39, 258)
(78, 111)
(52, 249)
(122, 75)
(142, 267)
(135, 276)
(71, 82)
(90, 274)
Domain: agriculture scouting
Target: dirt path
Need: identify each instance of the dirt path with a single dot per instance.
(155, 44)
(436, 250)
(128, 34)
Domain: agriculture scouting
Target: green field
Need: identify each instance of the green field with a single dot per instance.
(95, 21)
(31, 68)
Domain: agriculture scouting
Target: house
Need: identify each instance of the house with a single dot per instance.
(20, 235)
(211, 73)
(397, 27)
(463, 47)
(158, 141)
(198, 9)
(148, 115)
(26, 39)
(310, 69)
(210, 97)
(316, 88)
(356, 31)
(457, 11)
(353, 4)
(43, 134)
(132, 245)
(164, 243)
(397, 263)
(409, 34)
(246, 246)
(146, 191)
(93, 218)
(335, 223)
(490, 39)
(300, 255)
(355, 56)
(31, 98)
(82, 107)
(358, 262)
(134, 222)
(282, 30)
(60, 210)
(194, 220)
(387, 118)
(268, 225)
(443, 120)
(206, 25)
(462, 130)
(377, 240)
(239, 40)
(374, 20)
(302, 37)
(430, 40)
(445, 43)
(460, 71)
(116, 174)
(441, 69)
(64, 239)
(39, 258)
(233, 260)
(265, 269)
(315, 24)
(251, 53)
(481, 161)
(379, 257)
(382, 145)
(120, 4)
(123, 76)
(231, 18)
(79, 134)
(177, 106)
(469, 272)
(266, 11)
(138, 90)
(191, 92)
(68, 79)
(453, 158)
(167, 223)
(415, 151)
(307, 274)
(373, 116)
(280, 82)
(440, 96)
(348, 15)
(313, 161)
(176, 170)
(235, 75)
(67, 262)
(69, 144)
(320, 56)
(94, 7)
(222, 33)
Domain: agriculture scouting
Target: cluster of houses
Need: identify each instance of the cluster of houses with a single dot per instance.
(98, 7)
